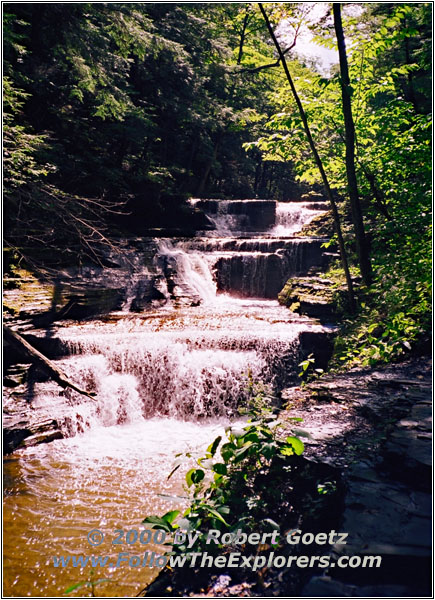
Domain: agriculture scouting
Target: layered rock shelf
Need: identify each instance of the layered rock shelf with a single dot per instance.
(375, 426)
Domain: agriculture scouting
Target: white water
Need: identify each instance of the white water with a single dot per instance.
(185, 364)
(234, 258)
(165, 380)
(109, 478)
(291, 217)
(193, 270)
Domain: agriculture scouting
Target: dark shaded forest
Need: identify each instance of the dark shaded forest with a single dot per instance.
(131, 108)
(116, 113)
(209, 232)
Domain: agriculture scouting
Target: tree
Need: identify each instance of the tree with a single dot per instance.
(124, 110)
(318, 162)
(392, 168)
(360, 236)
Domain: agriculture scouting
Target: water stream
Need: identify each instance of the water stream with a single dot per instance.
(167, 379)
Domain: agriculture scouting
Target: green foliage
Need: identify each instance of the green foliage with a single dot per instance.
(306, 364)
(307, 369)
(393, 320)
(241, 481)
(91, 583)
(133, 105)
(20, 145)
(387, 49)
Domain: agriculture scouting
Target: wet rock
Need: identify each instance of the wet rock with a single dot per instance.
(16, 375)
(326, 587)
(254, 215)
(25, 434)
(320, 225)
(42, 437)
(320, 344)
(13, 437)
(312, 296)
(317, 309)
(262, 274)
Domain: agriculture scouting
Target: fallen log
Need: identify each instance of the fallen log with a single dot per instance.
(36, 357)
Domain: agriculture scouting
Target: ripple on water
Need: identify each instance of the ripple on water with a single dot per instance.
(111, 477)
(108, 478)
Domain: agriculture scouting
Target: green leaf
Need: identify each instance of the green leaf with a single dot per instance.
(298, 446)
(76, 586)
(207, 463)
(170, 516)
(214, 446)
(220, 468)
(240, 452)
(158, 523)
(194, 476)
(215, 513)
(227, 451)
(224, 510)
(268, 450)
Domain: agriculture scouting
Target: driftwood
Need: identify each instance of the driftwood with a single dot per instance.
(36, 357)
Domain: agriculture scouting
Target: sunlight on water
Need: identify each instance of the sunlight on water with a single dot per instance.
(165, 380)
(109, 478)
(291, 217)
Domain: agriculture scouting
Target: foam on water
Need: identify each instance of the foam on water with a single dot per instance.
(109, 478)
(159, 379)
(292, 216)
(188, 364)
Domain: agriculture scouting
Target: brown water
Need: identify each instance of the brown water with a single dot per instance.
(113, 471)
(166, 381)
(108, 478)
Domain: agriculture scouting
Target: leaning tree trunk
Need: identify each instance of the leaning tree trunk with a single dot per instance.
(23, 347)
(318, 161)
(357, 218)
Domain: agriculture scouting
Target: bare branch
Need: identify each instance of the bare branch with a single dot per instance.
(277, 62)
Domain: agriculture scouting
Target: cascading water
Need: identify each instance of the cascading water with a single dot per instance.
(290, 218)
(165, 380)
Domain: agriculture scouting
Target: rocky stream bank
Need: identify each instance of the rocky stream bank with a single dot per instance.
(148, 325)
(371, 431)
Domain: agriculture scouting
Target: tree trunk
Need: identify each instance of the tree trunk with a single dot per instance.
(318, 161)
(23, 347)
(242, 37)
(352, 185)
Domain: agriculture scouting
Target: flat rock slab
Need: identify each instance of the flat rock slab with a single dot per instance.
(327, 587)
(387, 504)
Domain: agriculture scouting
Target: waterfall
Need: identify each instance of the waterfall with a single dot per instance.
(251, 253)
(193, 322)
(178, 366)
(291, 217)
(231, 217)
(190, 354)
(190, 272)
